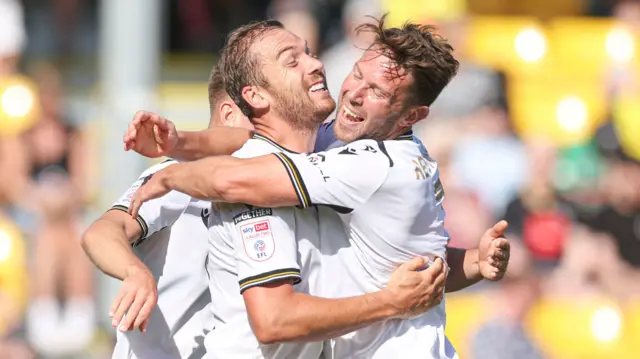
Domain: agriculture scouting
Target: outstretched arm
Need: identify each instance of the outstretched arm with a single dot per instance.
(277, 179)
(152, 135)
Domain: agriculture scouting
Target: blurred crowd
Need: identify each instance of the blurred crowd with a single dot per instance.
(573, 211)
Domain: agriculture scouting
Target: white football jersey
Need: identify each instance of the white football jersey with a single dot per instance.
(173, 245)
(250, 247)
(389, 198)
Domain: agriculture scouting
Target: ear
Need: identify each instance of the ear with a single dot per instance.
(227, 117)
(255, 97)
(415, 115)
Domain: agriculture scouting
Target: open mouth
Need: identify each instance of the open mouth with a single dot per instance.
(350, 115)
(318, 87)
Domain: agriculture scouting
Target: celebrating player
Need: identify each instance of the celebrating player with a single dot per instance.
(170, 239)
(387, 193)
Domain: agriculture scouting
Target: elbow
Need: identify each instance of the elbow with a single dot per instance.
(267, 336)
(272, 329)
(86, 240)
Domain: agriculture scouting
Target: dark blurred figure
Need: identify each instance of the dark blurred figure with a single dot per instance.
(504, 336)
(620, 216)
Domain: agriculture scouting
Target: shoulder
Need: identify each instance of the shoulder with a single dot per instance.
(158, 167)
(369, 150)
(253, 148)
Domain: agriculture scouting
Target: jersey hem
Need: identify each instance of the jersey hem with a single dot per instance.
(141, 222)
(296, 180)
(269, 277)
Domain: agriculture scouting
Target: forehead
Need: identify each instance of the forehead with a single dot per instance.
(377, 68)
(275, 41)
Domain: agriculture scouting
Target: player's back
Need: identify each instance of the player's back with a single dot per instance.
(174, 248)
(246, 244)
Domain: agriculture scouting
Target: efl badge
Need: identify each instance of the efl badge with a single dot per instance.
(257, 239)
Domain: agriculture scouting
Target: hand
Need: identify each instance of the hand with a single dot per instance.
(154, 187)
(137, 297)
(150, 135)
(413, 291)
(493, 252)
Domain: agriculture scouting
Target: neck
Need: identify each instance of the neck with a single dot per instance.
(397, 133)
(294, 138)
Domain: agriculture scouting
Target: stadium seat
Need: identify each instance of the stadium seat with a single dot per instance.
(565, 109)
(465, 313)
(13, 274)
(587, 46)
(626, 117)
(510, 44)
(582, 328)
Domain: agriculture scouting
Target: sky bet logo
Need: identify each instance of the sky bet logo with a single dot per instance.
(259, 227)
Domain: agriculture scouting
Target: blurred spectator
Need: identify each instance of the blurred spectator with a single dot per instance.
(297, 17)
(467, 218)
(49, 183)
(489, 159)
(339, 59)
(538, 215)
(61, 27)
(504, 335)
(12, 35)
(620, 217)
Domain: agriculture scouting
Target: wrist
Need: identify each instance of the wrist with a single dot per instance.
(167, 176)
(179, 145)
(135, 269)
(390, 307)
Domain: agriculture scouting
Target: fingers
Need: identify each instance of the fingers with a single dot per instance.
(143, 325)
(132, 313)
(143, 316)
(415, 264)
(122, 308)
(134, 207)
(499, 250)
(498, 229)
(116, 303)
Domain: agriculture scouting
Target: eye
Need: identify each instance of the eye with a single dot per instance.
(377, 93)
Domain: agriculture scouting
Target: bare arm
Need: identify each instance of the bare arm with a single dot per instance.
(278, 313)
(260, 181)
(107, 242)
(464, 269)
(306, 318)
(215, 141)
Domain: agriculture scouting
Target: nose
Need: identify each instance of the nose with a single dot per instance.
(356, 96)
(316, 66)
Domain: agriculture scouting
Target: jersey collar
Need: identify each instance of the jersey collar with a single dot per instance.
(406, 136)
(260, 137)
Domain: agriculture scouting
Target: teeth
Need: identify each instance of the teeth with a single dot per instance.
(317, 87)
(351, 113)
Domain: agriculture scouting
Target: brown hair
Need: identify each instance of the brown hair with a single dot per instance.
(216, 87)
(419, 50)
(239, 65)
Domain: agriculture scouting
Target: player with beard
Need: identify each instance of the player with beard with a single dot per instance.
(256, 255)
(388, 193)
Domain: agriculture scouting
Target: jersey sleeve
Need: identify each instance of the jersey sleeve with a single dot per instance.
(265, 245)
(158, 213)
(344, 177)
